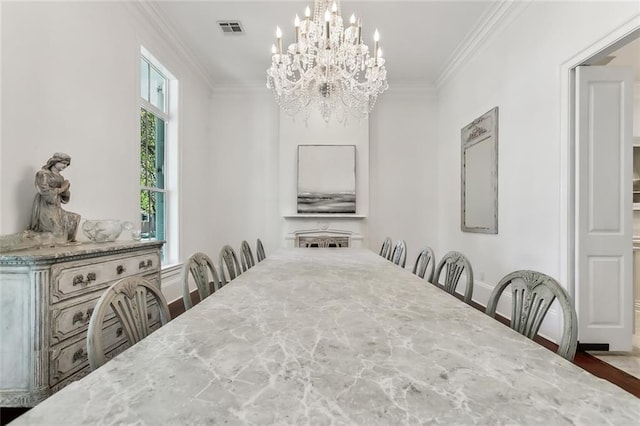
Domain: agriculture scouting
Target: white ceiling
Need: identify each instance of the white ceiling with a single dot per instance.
(419, 38)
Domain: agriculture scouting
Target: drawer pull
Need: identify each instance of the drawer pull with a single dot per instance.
(144, 264)
(81, 317)
(120, 269)
(80, 355)
(119, 332)
(80, 280)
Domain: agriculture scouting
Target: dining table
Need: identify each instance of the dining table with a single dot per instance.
(335, 336)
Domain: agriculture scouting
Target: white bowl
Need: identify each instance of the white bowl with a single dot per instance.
(104, 230)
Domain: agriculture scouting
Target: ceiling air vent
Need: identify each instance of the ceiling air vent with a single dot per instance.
(231, 27)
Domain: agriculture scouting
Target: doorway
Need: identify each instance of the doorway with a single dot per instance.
(600, 273)
(629, 361)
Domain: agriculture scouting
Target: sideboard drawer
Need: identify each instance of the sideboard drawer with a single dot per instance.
(65, 360)
(73, 317)
(70, 280)
(79, 374)
(86, 369)
(68, 359)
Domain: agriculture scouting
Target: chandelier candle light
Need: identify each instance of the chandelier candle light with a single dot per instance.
(328, 67)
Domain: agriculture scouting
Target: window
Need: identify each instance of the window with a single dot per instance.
(156, 121)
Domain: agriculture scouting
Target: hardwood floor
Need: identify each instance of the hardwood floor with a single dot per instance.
(608, 372)
(9, 413)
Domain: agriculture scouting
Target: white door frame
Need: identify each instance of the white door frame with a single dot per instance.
(567, 147)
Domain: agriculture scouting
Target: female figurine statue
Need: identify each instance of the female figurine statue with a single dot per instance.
(47, 214)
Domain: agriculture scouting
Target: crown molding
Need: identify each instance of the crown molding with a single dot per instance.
(149, 12)
(487, 25)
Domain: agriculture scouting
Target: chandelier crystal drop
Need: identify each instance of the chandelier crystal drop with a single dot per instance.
(328, 67)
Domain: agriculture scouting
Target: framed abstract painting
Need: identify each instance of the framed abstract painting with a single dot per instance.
(327, 179)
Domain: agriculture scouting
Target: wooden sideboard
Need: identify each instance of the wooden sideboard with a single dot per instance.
(47, 296)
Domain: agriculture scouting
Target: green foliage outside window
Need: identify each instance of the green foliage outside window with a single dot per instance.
(153, 121)
(152, 130)
(148, 132)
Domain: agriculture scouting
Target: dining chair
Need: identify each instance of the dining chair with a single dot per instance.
(229, 265)
(385, 250)
(399, 254)
(425, 264)
(453, 264)
(532, 293)
(246, 256)
(200, 269)
(260, 251)
(127, 298)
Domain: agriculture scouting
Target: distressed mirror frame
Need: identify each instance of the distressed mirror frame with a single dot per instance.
(480, 133)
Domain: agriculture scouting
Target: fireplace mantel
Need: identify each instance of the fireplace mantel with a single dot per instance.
(314, 229)
(323, 237)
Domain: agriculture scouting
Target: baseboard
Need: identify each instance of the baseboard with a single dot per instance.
(583, 347)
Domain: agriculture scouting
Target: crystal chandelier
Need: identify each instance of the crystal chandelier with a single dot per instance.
(328, 67)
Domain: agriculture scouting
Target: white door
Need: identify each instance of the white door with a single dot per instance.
(604, 227)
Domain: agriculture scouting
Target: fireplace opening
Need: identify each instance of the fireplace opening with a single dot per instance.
(322, 241)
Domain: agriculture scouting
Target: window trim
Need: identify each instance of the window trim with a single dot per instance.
(171, 151)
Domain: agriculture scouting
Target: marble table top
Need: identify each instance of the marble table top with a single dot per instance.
(69, 251)
(336, 336)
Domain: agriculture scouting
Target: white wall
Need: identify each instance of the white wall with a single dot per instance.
(242, 176)
(67, 87)
(518, 70)
(402, 157)
(403, 170)
(69, 83)
(294, 131)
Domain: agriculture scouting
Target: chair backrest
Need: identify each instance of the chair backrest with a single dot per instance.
(127, 298)
(260, 251)
(385, 250)
(425, 264)
(399, 255)
(200, 268)
(246, 256)
(229, 265)
(454, 264)
(532, 294)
